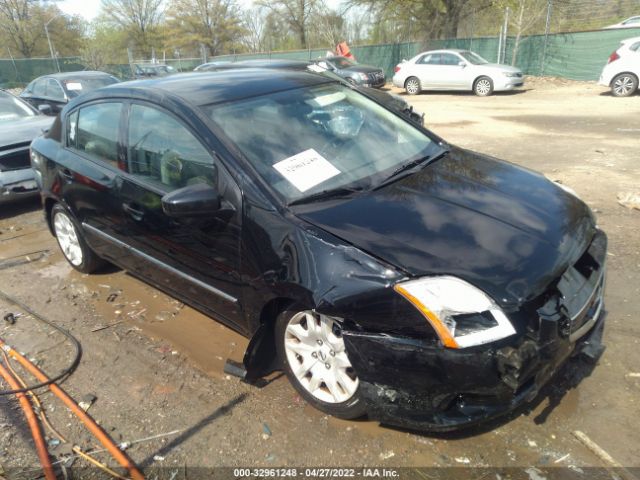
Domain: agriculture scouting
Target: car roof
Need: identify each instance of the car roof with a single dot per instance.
(445, 50)
(259, 63)
(630, 40)
(75, 75)
(204, 88)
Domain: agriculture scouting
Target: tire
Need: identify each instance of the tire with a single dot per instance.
(71, 242)
(315, 358)
(624, 85)
(483, 87)
(412, 86)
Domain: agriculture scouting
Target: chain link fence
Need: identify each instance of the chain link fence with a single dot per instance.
(495, 35)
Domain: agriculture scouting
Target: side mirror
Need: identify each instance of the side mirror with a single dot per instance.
(196, 200)
(462, 64)
(45, 109)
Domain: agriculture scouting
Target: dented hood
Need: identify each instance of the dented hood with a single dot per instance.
(503, 228)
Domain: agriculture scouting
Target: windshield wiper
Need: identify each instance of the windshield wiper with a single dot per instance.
(324, 194)
(396, 174)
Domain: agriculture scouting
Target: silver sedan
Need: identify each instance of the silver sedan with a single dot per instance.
(455, 70)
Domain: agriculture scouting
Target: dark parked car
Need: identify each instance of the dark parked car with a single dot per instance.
(50, 93)
(152, 71)
(19, 124)
(390, 100)
(384, 271)
(356, 73)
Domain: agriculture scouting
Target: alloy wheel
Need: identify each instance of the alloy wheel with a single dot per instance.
(413, 86)
(68, 238)
(623, 86)
(483, 87)
(316, 354)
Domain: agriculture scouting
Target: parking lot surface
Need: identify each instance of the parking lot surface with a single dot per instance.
(155, 365)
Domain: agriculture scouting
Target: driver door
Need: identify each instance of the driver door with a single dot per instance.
(197, 258)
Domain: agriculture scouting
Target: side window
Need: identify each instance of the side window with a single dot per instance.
(54, 90)
(430, 59)
(97, 131)
(635, 47)
(163, 152)
(40, 88)
(449, 59)
(72, 129)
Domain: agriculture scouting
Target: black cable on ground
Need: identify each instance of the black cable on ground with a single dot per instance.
(67, 371)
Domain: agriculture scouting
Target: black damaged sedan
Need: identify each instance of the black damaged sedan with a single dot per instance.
(386, 272)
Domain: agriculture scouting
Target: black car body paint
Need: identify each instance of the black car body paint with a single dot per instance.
(504, 229)
(54, 91)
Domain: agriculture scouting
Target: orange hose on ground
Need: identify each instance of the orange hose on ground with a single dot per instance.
(89, 422)
(32, 420)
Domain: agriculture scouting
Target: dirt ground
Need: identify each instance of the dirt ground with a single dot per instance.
(155, 365)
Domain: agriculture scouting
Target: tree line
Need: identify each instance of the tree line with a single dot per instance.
(195, 28)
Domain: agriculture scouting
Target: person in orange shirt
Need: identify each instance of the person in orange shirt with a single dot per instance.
(343, 50)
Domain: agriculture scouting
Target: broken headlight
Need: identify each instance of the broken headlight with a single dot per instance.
(461, 314)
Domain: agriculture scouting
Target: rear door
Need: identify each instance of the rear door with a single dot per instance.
(55, 96)
(87, 175)
(36, 92)
(449, 74)
(197, 258)
(426, 69)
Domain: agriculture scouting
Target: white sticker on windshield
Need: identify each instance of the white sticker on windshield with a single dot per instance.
(329, 99)
(73, 85)
(306, 169)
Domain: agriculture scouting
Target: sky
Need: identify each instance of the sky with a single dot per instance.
(89, 8)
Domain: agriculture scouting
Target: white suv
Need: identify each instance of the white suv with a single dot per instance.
(622, 71)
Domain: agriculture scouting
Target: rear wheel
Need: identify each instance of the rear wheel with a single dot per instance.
(624, 85)
(483, 87)
(73, 246)
(412, 86)
(312, 352)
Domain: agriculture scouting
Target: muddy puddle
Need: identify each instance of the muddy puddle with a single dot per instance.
(119, 297)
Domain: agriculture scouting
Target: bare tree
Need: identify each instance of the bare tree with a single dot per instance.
(328, 26)
(528, 13)
(254, 22)
(216, 24)
(139, 17)
(295, 13)
(22, 23)
(430, 17)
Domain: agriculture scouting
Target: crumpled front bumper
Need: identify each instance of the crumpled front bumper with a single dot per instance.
(421, 386)
(17, 184)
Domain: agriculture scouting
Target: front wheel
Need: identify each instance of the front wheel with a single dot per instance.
(312, 353)
(483, 87)
(624, 85)
(73, 246)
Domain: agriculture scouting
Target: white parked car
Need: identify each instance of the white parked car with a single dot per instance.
(622, 71)
(631, 22)
(455, 70)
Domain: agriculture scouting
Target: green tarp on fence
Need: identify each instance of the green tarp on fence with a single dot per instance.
(578, 56)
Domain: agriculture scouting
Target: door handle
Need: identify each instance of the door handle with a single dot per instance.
(133, 210)
(66, 174)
